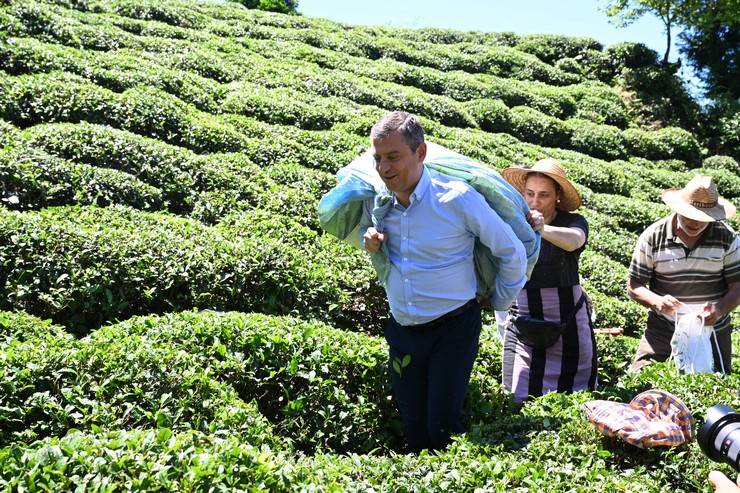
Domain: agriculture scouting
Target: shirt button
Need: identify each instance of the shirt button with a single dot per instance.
(405, 259)
(405, 280)
(404, 213)
(405, 237)
(409, 303)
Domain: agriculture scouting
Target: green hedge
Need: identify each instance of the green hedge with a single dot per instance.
(600, 141)
(205, 186)
(631, 214)
(320, 387)
(106, 264)
(607, 237)
(52, 386)
(8, 133)
(288, 107)
(117, 70)
(34, 179)
(552, 47)
(184, 461)
(28, 100)
(721, 162)
(22, 327)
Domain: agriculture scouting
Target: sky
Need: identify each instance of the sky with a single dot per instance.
(569, 17)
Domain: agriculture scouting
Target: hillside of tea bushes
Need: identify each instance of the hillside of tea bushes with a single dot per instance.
(174, 319)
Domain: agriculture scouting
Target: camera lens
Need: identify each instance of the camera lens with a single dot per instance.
(719, 436)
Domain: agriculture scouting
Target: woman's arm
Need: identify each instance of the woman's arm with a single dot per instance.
(567, 238)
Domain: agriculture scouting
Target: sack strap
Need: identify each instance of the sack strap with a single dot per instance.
(578, 306)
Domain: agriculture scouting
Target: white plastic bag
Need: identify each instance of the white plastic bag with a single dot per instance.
(691, 345)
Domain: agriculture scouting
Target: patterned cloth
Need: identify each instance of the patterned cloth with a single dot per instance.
(653, 418)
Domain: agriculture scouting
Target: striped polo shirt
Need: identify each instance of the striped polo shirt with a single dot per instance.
(663, 262)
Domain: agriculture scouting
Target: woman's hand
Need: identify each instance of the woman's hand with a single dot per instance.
(536, 220)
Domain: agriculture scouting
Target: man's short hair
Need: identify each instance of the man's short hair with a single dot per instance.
(400, 121)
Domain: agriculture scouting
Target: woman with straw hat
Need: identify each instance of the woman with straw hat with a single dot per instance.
(549, 343)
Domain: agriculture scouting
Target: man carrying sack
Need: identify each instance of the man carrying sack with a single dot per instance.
(687, 258)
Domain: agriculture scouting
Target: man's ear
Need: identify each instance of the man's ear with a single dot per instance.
(421, 152)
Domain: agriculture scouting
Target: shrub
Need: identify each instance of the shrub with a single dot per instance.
(721, 162)
(491, 115)
(631, 214)
(320, 387)
(170, 14)
(177, 461)
(601, 141)
(8, 133)
(106, 264)
(288, 107)
(54, 385)
(630, 55)
(550, 47)
(532, 126)
(117, 71)
(666, 143)
(32, 180)
(22, 327)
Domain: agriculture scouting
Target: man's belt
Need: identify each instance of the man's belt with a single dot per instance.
(447, 316)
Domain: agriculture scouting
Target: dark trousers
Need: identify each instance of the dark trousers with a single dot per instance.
(430, 391)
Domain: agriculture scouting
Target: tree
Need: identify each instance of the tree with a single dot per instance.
(711, 43)
(282, 6)
(670, 12)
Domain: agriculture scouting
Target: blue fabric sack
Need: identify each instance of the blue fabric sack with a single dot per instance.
(340, 210)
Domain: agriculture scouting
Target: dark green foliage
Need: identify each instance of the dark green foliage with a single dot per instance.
(549, 47)
(21, 327)
(601, 141)
(319, 386)
(532, 126)
(53, 384)
(235, 120)
(711, 43)
(34, 179)
(105, 264)
(721, 162)
(8, 133)
(171, 462)
(491, 115)
(630, 55)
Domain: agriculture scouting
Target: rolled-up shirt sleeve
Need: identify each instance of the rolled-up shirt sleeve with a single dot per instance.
(483, 222)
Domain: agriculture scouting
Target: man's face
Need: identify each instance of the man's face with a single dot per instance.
(398, 166)
(691, 227)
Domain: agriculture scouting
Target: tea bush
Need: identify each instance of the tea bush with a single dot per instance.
(106, 264)
(228, 124)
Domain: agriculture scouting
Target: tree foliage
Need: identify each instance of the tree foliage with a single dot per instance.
(282, 6)
(711, 42)
(670, 12)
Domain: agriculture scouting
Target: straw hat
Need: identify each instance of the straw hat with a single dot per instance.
(699, 200)
(570, 199)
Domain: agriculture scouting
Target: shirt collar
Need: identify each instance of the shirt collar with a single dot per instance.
(421, 186)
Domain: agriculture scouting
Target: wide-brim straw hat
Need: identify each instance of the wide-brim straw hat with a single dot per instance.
(570, 199)
(699, 200)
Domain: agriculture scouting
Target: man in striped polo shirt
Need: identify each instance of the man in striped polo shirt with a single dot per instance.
(692, 258)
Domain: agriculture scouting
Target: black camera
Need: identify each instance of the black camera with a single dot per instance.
(719, 436)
